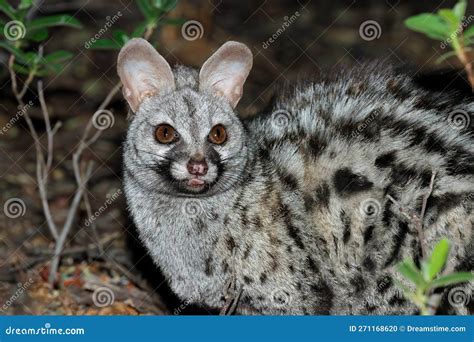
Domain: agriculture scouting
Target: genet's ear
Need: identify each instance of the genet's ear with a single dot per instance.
(225, 72)
(143, 72)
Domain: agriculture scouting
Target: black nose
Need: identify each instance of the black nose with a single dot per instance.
(197, 167)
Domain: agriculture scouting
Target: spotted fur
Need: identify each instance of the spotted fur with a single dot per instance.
(298, 217)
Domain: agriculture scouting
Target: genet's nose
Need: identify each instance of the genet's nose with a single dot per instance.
(197, 167)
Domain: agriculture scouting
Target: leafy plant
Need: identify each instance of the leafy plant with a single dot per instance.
(448, 25)
(153, 12)
(21, 32)
(428, 277)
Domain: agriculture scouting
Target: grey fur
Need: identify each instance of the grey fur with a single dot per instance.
(291, 214)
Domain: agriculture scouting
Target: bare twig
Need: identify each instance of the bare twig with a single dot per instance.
(417, 220)
(68, 225)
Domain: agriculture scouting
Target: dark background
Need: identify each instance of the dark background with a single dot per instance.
(325, 35)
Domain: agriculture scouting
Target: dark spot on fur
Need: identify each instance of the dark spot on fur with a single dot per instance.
(370, 308)
(225, 267)
(385, 160)
(368, 233)
(208, 270)
(356, 89)
(399, 240)
(347, 183)
(398, 90)
(290, 182)
(230, 243)
(346, 221)
(201, 226)
(316, 146)
(263, 278)
(368, 263)
(248, 280)
(323, 194)
(325, 295)
(291, 268)
(247, 252)
(358, 283)
(397, 300)
(311, 264)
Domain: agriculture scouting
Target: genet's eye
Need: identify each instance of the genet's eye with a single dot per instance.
(166, 134)
(218, 135)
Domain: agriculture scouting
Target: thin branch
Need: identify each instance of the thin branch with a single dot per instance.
(417, 220)
(68, 225)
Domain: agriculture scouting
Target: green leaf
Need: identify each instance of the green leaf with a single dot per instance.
(121, 37)
(37, 35)
(451, 18)
(54, 20)
(451, 279)
(165, 5)
(460, 9)
(25, 4)
(147, 10)
(469, 32)
(57, 57)
(173, 21)
(7, 9)
(105, 44)
(408, 269)
(19, 55)
(20, 69)
(438, 258)
(140, 30)
(430, 24)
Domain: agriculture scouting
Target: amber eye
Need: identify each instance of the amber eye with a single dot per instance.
(218, 135)
(166, 134)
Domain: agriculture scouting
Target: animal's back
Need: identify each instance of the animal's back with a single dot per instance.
(360, 151)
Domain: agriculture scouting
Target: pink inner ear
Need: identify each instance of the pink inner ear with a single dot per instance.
(225, 72)
(143, 72)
